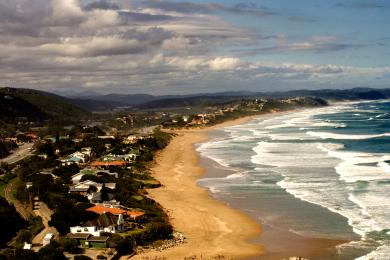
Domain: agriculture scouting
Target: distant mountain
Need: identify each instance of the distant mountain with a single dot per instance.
(110, 101)
(54, 105)
(36, 105)
(338, 94)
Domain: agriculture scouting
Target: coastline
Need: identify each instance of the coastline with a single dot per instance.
(211, 227)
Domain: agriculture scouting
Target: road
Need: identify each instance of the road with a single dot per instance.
(45, 213)
(20, 153)
(23, 210)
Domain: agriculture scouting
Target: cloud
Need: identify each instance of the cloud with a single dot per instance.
(223, 63)
(155, 47)
(101, 5)
(363, 5)
(179, 7)
(192, 8)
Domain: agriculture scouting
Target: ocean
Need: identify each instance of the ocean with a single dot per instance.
(317, 173)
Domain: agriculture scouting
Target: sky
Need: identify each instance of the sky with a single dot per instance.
(181, 47)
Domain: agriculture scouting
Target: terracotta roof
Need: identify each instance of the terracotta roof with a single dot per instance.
(101, 210)
(112, 163)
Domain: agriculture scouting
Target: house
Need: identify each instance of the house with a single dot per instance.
(97, 242)
(75, 158)
(132, 139)
(47, 239)
(125, 157)
(80, 237)
(29, 185)
(97, 197)
(83, 187)
(27, 246)
(102, 164)
(133, 215)
(106, 222)
(87, 171)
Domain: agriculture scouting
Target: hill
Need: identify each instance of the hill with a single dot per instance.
(36, 105)
(144, 101)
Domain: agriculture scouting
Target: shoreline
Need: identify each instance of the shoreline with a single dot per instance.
(212, 227)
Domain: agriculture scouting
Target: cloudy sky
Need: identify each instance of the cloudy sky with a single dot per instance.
(177, 47)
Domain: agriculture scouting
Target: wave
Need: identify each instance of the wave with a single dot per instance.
(328, 135)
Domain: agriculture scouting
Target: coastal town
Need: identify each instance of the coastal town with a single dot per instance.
(80, 191)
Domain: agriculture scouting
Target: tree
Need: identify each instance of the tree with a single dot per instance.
(52, 251)
(82, 257)
(6, 167)
(18, 254)
(122, 245)
(70, 245)
(70, 215)
(10, 220)
(23, 236)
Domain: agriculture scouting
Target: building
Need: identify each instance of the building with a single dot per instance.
(102, 164)
(133, 215)
(87, 240)
(106, 222)
(87, 171)
(47, 239)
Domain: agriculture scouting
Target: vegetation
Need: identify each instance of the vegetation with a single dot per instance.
(70, 214)
(38, 105)
(10, 221)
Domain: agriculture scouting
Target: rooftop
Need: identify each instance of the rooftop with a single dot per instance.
(101, 210)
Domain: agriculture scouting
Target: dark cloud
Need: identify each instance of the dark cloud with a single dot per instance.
(179, 7)
(101, 5)
(191, 8)
(301, 47)
(363, 5)
(128, 16)
(247, 9)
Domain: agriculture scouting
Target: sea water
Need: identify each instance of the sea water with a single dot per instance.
(322, 173)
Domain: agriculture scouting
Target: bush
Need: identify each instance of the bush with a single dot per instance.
(52, 251)
(70, 215)
(70, 245)
(18, 254)
(122, 245)
(10, 221)
(82, 257)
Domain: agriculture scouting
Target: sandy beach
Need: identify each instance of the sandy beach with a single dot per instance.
(212, 229)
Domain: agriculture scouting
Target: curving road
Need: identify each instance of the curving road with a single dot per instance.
(19, 154)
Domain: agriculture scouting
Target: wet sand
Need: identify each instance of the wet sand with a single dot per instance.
(212, 228)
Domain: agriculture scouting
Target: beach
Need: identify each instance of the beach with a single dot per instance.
(212, 228)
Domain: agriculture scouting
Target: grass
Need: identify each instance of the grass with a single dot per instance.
(148, 181)
(131, 232)
(136, 197)
(2, 188)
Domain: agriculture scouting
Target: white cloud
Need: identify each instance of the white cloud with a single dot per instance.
(224, 63)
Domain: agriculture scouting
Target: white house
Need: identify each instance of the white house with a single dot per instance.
(77, 177)
(106, 222)
(47, 239)
(78, 157)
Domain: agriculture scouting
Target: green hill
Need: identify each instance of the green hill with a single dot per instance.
(36, 105)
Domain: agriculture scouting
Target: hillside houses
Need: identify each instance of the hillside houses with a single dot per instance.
(80, 157)
(117, 210)
(106, 222)
(95, 172)
(93, 190)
